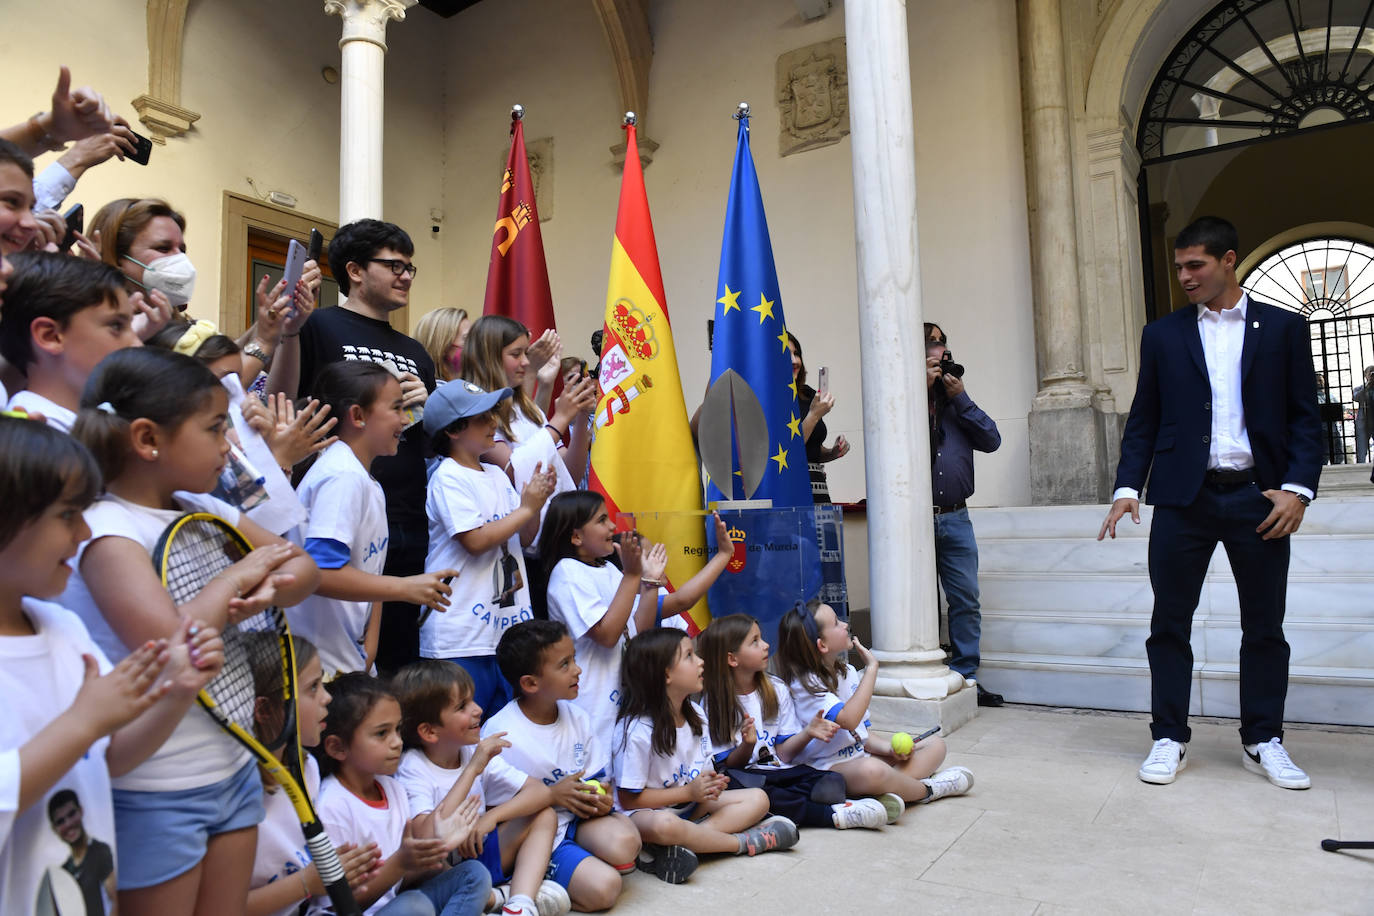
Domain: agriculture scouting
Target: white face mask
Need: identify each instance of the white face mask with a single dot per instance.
(174, 275)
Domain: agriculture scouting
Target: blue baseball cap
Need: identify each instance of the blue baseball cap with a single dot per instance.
(458, 399)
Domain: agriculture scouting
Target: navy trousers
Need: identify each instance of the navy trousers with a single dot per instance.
(1182, 540)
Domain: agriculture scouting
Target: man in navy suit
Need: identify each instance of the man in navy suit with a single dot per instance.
(1225, 427)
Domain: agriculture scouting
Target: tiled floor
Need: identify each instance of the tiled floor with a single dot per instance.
(1059, 823)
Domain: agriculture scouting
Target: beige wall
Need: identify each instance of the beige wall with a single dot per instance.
(252, 68)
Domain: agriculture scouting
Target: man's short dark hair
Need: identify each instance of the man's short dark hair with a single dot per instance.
(59, 798)
(48, 285)
(10, 152)
(359, 241)
(1216, 236)
(521, 649)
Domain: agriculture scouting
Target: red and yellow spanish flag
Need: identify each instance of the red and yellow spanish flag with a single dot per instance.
(643, 459)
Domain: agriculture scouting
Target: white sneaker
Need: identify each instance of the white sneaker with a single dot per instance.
(893, 806)
(1167, 757)
(1271, 761)
(859, 812)
(952, 781)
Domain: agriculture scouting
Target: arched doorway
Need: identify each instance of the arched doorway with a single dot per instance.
(1261, 113)
(1328, 279)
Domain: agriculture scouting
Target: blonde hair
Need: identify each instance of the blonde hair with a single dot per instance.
(436, 332)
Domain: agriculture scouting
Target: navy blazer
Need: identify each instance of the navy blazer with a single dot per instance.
(1167, 436)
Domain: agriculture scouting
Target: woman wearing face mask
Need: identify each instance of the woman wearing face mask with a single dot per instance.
(443, 333)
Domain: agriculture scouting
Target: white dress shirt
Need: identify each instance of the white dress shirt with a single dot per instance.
(1223, 340)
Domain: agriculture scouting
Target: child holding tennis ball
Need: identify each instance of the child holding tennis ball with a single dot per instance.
(812, 643)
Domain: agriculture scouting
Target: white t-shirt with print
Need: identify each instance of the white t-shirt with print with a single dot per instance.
(533, 444)
(349, 819)
(198, 753)
(550, 752)
(769, 732)
(281, 850)
(460, 499)
(637, 767)
(426, 783)
(579, 596)
(845, 745)
(39, 678)
(348, 506)
(58, 417)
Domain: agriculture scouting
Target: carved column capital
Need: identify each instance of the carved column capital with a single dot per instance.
(366, 20)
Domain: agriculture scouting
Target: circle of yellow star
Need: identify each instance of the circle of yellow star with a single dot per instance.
(780, 458)
(764, 308)
(730, 300)
(794, 424)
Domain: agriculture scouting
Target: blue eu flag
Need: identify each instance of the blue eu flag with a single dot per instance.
(750, 429)
(768, 454)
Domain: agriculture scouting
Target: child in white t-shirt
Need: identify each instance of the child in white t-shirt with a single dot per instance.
(602, 605)
(448, 764)
(71, 720)
(812, 643)
(361, 802)
(755, 735)
(478, 526)
(346, 533)
(284, 875)
(155, 421)
(662, 763)
(553, 741)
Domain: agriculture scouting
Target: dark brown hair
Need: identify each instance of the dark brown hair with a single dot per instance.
(38, 466)
(49, 285)
(644, 688)
(798, 659)
(425, 688)
(352, 696)
(724, 713)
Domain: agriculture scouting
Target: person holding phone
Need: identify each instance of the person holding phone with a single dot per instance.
(813, 405)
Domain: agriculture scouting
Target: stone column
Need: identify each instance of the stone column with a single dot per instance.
(896, 435)
(1065, 432)
(363, 53)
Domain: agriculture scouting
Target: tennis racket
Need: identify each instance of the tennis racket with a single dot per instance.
(193, 550)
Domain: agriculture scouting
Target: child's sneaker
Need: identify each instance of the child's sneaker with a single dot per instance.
(500, 893)
(768, 835)
(673, 864)
(893, 805)
(520, 905)
(953, 781)
(552, 899)
(859, 812)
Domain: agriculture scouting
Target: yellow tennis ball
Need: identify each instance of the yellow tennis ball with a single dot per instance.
(902, 744)
(599, 789)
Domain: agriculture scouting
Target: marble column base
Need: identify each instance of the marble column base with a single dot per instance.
(1068, 447)
(907, 714)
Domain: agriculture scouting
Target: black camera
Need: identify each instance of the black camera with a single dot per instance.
(949, 367)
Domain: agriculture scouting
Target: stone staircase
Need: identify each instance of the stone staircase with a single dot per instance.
(1065, 617)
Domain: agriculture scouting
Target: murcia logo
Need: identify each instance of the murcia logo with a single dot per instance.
(737, 561)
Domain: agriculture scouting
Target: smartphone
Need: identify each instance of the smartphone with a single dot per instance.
(823, 384)
(316, 246)
(295, 263)
(76, 222)
(710, 334)
(427, 610)
(143, 148)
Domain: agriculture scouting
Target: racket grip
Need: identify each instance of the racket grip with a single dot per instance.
(331, 871)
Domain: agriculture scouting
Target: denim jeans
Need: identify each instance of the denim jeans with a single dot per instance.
(956, 563)
(458, 891)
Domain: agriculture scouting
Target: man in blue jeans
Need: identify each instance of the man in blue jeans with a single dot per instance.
(957, 429)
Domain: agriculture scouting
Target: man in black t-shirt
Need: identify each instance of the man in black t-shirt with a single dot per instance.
(91, 863)
(371, 261)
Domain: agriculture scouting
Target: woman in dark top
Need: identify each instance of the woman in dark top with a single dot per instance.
(813, 407)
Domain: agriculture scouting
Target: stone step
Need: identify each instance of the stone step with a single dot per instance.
(1065, 617)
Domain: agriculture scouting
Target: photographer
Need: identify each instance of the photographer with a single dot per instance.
(957, 428)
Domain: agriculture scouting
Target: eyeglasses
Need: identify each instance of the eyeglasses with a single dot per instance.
(397, 267)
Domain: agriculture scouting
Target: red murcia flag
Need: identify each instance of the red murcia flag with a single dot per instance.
(518, 278)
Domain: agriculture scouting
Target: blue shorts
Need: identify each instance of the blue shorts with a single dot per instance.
(566, 856)
(490, 689)
(491, 858)
(164, 834)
